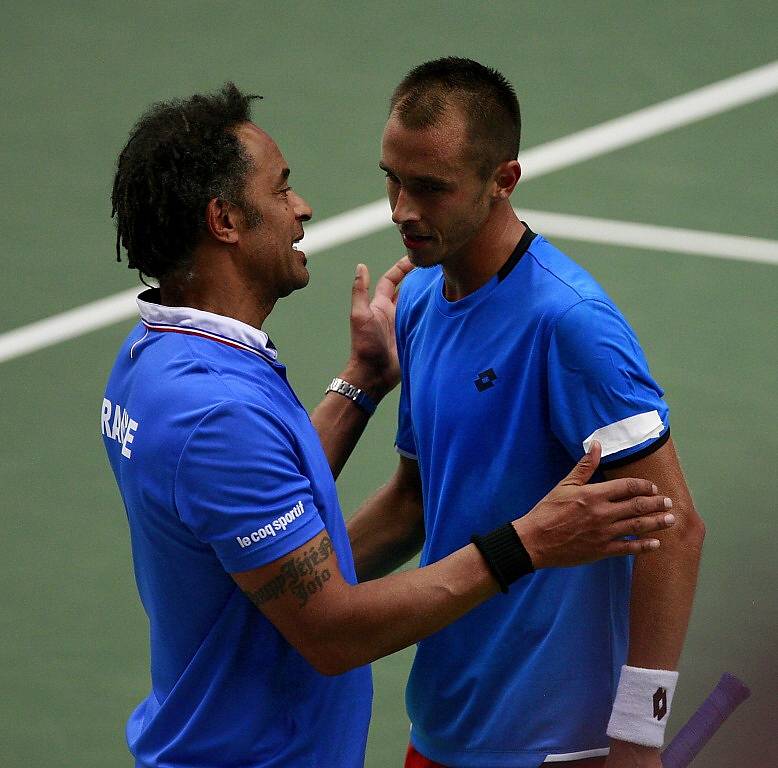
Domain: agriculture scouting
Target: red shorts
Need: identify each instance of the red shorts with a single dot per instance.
(414, 760)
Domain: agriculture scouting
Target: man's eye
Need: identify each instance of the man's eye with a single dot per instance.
(392, 179)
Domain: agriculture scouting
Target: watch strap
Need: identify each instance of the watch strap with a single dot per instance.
(359, 397)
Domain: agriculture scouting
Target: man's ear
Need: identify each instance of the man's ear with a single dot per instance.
(221, 220)
(506, 177)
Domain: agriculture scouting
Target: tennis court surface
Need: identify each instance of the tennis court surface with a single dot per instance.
(674, 211)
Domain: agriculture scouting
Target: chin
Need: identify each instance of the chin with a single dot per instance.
(302, 280)
(423, 260)
(292, 286)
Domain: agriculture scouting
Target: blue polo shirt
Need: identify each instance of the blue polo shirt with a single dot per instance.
(221, 471)
(502, 392)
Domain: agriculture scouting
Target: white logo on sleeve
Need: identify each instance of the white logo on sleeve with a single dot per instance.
(116, 424)
(281, 523)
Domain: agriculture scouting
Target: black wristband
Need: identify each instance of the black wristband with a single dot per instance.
(505, 554)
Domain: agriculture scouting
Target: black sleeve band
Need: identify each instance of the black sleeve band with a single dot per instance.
(505, 555)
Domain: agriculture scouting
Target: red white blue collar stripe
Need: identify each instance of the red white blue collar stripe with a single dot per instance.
(206, 325)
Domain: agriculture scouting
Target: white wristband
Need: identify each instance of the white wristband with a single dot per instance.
(642, 707)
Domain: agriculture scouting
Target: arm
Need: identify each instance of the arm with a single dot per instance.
(663, 585)
(337, 626)
(388, 529)
(372, 365)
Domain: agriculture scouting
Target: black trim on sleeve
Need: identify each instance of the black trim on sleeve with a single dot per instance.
(641, 454)
(518, 252)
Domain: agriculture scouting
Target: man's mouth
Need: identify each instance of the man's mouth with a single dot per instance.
(295, 243)
(415, 241)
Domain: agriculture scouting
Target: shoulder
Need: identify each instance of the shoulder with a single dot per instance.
(182, 387)
(559, 279)
(593, 324)
(235, 444)
(205, 373)
(233, 424)
(565, 298)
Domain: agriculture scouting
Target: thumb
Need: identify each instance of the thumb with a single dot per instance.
(582, 472)
(360, 296)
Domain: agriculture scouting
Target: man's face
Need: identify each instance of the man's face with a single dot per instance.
(439, 201)
(269, 245)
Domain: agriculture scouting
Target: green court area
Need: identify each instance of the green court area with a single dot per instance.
(75, 76)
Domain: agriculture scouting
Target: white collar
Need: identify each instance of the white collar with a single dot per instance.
(196, 322)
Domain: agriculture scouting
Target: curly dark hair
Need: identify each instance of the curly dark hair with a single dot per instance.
(486, 97)
(180, 154)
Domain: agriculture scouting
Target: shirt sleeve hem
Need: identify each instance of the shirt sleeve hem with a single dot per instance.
(637, 452)
(280, 546)
(406, 454)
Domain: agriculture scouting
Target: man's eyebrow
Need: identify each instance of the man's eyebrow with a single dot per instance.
(422, 179)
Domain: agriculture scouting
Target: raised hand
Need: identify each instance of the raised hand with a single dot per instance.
(373, 347)
(578, 523)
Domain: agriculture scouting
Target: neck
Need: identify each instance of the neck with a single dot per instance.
(484, 254)
(222, 291)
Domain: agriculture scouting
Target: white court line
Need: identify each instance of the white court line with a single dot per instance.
(584, 145)
(68, 325)
(121, 306)
(651, 121)
(367, 219)
(667, 239)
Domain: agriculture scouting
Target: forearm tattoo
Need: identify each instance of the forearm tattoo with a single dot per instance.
(303, 575)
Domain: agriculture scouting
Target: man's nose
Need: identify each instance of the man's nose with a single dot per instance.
(403, 209)
(302, 210)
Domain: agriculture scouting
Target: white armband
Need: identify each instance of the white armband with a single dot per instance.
(642, 707)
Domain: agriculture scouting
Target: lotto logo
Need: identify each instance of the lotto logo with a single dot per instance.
(660, 703)
(485, 380)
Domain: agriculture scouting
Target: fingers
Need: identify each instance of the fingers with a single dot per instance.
(360, 291)
(582, 472)
(640, 526)
(634, 547)
(391, 279)
(361, 278)
(626, 488)
(630, 509)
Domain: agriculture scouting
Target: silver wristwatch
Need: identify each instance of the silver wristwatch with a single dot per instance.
(360, 398)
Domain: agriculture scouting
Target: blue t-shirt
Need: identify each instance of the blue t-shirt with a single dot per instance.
(501, 391)
(221, 471)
